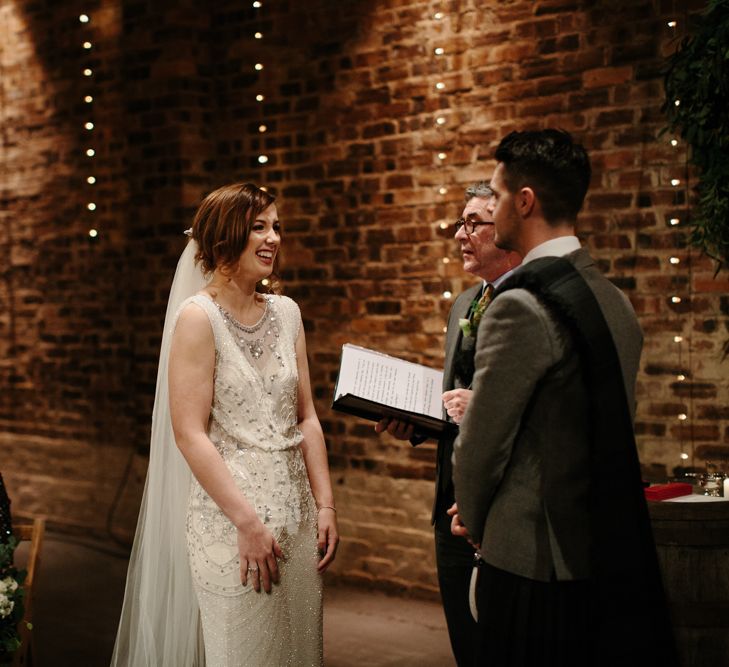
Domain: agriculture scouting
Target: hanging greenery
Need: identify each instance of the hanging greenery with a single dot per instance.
(697, 106)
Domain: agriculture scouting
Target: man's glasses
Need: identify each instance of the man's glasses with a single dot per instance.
(469, 225)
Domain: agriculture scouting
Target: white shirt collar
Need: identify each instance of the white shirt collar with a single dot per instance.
(501, 278)
(559, 247)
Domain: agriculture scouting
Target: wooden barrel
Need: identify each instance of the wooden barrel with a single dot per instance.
(693, 548)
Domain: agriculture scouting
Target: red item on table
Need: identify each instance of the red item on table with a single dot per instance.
(666, 491)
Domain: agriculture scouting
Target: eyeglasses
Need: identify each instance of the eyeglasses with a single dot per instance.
(469, 225)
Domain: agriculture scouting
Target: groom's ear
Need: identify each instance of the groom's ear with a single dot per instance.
(526, 200)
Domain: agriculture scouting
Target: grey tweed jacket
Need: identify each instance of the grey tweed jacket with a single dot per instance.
(521, 458)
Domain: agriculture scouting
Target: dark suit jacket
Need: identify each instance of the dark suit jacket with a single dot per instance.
(443, 471)
(521, 459)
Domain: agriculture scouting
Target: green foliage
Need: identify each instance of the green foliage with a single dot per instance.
(9, 640)
(698, 76)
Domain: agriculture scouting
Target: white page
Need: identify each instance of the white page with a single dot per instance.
(389, 380)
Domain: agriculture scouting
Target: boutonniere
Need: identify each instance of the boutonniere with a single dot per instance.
(469, 326)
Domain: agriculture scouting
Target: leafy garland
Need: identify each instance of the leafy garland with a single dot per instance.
(11, 600)
(698, 78)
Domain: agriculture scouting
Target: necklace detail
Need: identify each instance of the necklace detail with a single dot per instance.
(255, 345)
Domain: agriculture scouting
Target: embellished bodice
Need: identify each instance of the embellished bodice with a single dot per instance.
(253, 425)
(256, 378)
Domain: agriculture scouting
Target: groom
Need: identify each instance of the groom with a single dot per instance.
(474, 232)
(545, 467)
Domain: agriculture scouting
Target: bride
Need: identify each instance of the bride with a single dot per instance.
(230, 557)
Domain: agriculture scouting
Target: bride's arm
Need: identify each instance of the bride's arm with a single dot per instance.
(191, 377)
(315, 457)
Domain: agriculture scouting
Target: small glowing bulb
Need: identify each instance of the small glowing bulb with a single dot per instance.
(442, 156)
(258, 67)
(675, 299)
(265, 281)
(440, 85)
(674, 142)
(683, 416)
(445, 329)
(677, 339)
(88, 72)
(671, 24)
(91, 206)
(83, 18)
(677, 103)
(90, 152)
(447, 295)
(259, 98)
(258, 35)
(674, 260)
(262, 128)
(674, 221)
(89, 126)
(439, 51)
(88, 99)
(446, 260)
(87, 45)
(675, 182)
(442, 190)
(263, 159)
(91, 180)
(257, 4)
(93, 233)
(438, 16)
(684, 455)
(443, 225)
(440, 120)
(680, 377)
(264, 188)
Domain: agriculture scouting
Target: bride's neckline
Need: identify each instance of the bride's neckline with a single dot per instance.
(252, 328)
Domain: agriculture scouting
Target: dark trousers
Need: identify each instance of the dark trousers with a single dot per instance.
(454, 558)
(527, 623)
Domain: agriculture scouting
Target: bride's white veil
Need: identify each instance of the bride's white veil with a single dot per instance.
(159, 624)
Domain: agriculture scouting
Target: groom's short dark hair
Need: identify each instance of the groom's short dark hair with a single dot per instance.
(553, 165)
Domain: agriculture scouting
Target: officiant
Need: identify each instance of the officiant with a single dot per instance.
(474, 232)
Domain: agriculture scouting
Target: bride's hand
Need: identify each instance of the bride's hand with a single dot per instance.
(328, 537)
(259, 553)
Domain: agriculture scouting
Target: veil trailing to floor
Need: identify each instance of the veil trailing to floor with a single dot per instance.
(160, 618)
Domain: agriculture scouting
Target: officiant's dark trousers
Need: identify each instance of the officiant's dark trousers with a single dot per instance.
(454, 558)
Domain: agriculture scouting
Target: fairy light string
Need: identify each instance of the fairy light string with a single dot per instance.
(89, 126)
(681, 295)
(441, 122)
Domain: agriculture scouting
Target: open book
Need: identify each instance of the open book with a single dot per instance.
(374, 385)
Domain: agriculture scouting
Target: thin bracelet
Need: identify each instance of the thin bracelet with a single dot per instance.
(327, 507)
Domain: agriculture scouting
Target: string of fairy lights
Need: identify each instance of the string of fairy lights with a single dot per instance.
(440, 123)
(89, 126)
(260, 97)
(683, 343)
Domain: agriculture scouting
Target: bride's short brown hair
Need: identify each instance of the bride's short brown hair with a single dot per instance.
(223, 223)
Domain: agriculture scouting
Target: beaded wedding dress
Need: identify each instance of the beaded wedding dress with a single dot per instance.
(183, 568)
(253, 424)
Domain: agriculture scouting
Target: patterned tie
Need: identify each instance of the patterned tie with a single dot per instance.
(469, 326)
(463, 362)
(482, 304)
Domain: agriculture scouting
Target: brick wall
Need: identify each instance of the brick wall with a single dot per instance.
(351, 106)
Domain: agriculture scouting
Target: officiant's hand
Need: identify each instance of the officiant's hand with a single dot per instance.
(397, 429)
(455, 403)
(259, 553)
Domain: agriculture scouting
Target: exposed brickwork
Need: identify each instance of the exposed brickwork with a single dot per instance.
(351, 109)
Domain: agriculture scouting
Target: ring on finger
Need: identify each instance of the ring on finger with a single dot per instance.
(252, 569)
